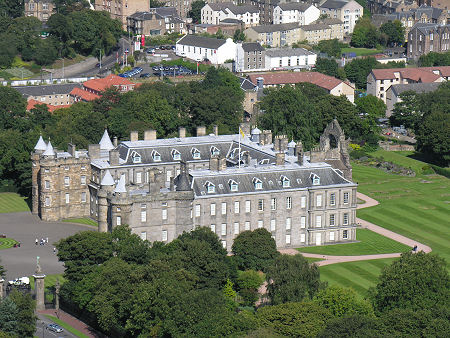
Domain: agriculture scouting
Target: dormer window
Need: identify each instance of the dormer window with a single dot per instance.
(210, 188)
(196, 154)
(234, 153)
(215, 151)
(264, 161)
(156, 156)
(136, 157)
(286, 182)
(258, 183)
(176, 155)
(315, 179)
(233, 185)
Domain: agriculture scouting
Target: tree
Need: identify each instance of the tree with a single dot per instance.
(292, 279)
(46, 52)
(358, 69)
(328, 67)
(195, 12)
(355, 326)
(8, 50)
(26, 319)
(434, 59)
(370, 109)
(67, 6)
(331, 47)
(11, 8)
(343, 302)
(2, 270)
(414, 282)
(239, 36)
(305, 319)
(254, 249)
(248, 283)
(365, 34)
(9, 321)
(404, 112)
(394, 31)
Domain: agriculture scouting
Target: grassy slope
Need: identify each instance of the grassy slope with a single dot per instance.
(12, 202)
(361, 51)
(86, 221)
(370, 243)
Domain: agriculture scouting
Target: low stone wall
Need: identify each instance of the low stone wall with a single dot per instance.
(396, 147)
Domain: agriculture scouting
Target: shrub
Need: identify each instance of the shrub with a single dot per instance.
(357, 154)
(427, 170)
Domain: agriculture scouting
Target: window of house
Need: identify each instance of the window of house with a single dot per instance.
(303, 202)
(302, 238)
(260, 224)
(224, 229)
(247, 226)
(318, 221)
(236, 228)
(67, 198)
(288, 239)
(236, 207)
(273, 204)
(345, 219)
(273, 225)
(332, 199)
(224, 244)
(332, 220)
(286, 182)
(332, 236)
(213, 209)
(210, 188)
(66, 181)
(176, 155)
(143, 216)
(83, 180)
(346, 195)
(247, 206)
(83, 197)
(233, 185)
(288, 223)
(47, 184)
(47, 201)
(318, 200)
(261, 205)
(155, 156)
(197, 210)
(289, 202)
(136, 158)
(144, 235)
(345, 234)
(213, 228)
(258, 183)
(164, 235)
(164, 214)
(224, 208)
(138, 178)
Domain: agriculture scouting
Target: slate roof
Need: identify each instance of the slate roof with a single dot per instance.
(275, 28)
(315, 27)
(415, 87)
(431, 12)
(231, 21)
(246, 84)
(270, 176)
(243, 9)
(333, 4)
(280, 52)
(220, 6)
(292, 6)
(47, 89)
(201, 41)
(252, 46)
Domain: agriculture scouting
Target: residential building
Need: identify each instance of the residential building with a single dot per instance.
(274, 35)
(32, 103)
(266, 9)
(199, 48)
(161, 188)
(290, 58)
(250, 56)
(121, 9)
(394, 91)
(303, 13)
(380, 80)
(226, 26)
(390, 6)
(41, 9)
(428, 37)
(332, 85)
(251, 98)
(214, 13)
(347, 11)
(336, 27)
(315, 32)
(51, 95)
(158, 21)
(182, 6)
(92, 89)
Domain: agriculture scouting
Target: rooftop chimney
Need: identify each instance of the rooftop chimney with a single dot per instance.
(115, 141)
(299, 153)
(181, 132)
(134, 136)
(201, 131)
(216, 130)
(113, 157)
(260, 82)
(94, 151)
(245, 127)
(150, 135)
(214, 163)
(279, 158)
(71, 149)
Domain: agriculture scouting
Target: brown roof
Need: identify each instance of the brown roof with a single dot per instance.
(51, 108)
(319, 79)
(102, 84)
(83, 94)
(421, 74)
(443, 70)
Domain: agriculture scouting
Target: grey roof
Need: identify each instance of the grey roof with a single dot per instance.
(47, 89)
(231, 21)
(431, 12)
(158, 13)
(289, 6)
(426, 28)
(271, 176)
(107, 179)
(246, 84)
(333, 4)
(315, 27)
(49, 151)
(243, 9)
(415, 87)
(220, 5)
(200, 41)
(252, 46)
(275, 28)
(40, 145)
(120, 186)
(329, 21)
(165, 11)
(279, 52)
(105, 142)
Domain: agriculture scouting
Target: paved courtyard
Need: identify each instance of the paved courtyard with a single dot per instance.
(25, 228)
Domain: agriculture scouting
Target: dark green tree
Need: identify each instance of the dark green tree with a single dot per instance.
(358, 69)
(248, 283)
(26, 30)
(292, 279)
(327, 67)
(11, 8)
(355, 326)
(331, 47)
(254, 250)
(46, 52)
(9, 317)
(404, 112)
(26, 318)
(195, 12)
(365, 34)
(434, 59)
(8, 49)
(68, 6)
(370, 109)
(2, 270)
(394, 31)
(239, 36)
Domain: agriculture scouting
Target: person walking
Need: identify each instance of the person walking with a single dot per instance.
(36, 241)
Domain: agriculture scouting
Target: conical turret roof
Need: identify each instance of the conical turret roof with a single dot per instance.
(107, 179)
(49, 150)
(120, 187)
(40, 145)
(105, 142)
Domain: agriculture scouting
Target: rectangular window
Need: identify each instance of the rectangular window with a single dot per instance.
(345, 234)
(66, 181)
(260, 205)
(168, 175)
(83, 197)
(213, 209)
(144, 216)
(47, 201)
(67, 198)
(332, 199)
(332, 236)
(236, 228)
(213, 228)
(224, 244)
(346, 194)
(318, 200)
(302, 238)
(236, 207)
(288, 239)
(288, 223)
(247, 226)
(164, 214)
(273, 225)
(164, 235)
(332, 220)
(119, 220)
(273, 204)
(303, 222)
(260, 224)
(224, 229)
(318, 221)
(197, 210)
(144, 235)
(224, 208)
(83, 180)
(345, 219)
(138, 178)
(247, 206)
(47, 184)
(288, 203)
(303, 202)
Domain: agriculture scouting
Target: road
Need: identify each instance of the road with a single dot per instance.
(42, 331)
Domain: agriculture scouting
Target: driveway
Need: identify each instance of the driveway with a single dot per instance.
(25, 228)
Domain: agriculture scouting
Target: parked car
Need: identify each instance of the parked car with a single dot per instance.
(145, 75)
(150, 50)
(55, 328)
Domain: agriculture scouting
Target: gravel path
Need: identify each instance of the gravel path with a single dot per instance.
(369, 202)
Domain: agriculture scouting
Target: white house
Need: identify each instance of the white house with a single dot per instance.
(347, 11)
(289, 12)
(214, 13)
(199, 48)
(289, 58)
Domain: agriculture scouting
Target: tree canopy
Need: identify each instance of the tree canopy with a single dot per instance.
(195, 12)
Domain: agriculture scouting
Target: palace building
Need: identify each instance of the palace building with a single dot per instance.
(228, 183)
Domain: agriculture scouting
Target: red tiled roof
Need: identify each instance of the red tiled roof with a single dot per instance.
(421, 74)
(51, 108)
(83, 94)
(443, 70)
(102, 84)
(319, 79)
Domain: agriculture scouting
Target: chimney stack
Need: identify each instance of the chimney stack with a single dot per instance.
(150, 135)
(222, 163)
(214, 163)
(201, 131)
(299, 153)
(71, 149)
(115, 141)
(260, 82)
(245, 127)
(134, 136)
(283, 143)
(181, 132)
(94, 151)
(279, 158)
(113, 157)
(216, 130)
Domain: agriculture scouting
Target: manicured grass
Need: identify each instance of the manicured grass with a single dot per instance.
(400, 158)
(66, 326)
(359, 276)
(361, 51)
(370, 243)
(313, 260)
(50, 282)
(12, 202)
(6, 243)
(86, 221)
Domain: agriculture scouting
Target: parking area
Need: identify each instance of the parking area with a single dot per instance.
(26, 228)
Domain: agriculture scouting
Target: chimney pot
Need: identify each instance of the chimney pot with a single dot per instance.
(279, 160)
(216, 130)
(181, 132)
(150, 135)
(201, 131)
(115, 141)
(113, 157)
(134, 136)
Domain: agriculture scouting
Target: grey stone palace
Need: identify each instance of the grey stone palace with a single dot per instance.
(228, 183)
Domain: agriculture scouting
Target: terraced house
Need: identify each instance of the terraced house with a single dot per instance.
(228, 183)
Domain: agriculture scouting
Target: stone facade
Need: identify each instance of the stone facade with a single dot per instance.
(228, 183)
(121, 9)
(41, 9)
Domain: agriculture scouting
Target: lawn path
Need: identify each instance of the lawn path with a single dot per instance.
(369, 202)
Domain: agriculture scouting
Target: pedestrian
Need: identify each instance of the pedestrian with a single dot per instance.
(54, 250)
(37, 241)
(46, 240)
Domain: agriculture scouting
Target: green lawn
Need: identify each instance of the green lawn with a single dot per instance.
(361, 51)
(370, 243)
(359, 276)
(400, 158)
(86, 221)
(66, 326)
(12, 202)
(6, 243)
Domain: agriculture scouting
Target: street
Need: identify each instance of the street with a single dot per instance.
(42, 331)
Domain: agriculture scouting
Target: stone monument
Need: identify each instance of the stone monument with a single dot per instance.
(39, 287)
